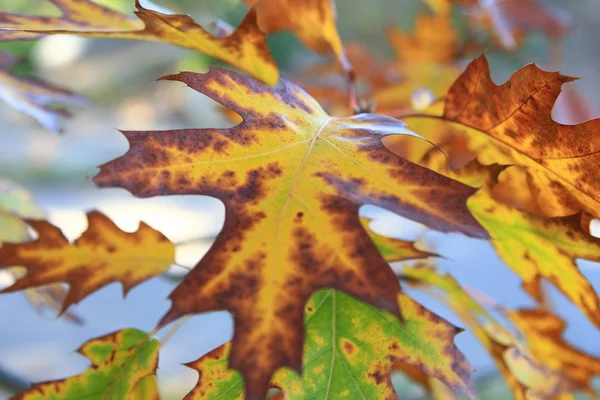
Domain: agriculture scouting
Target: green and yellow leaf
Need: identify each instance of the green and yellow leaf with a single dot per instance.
(101, 255)
(527, 375)
(292, 179)
(349, 351)
(539, 247)
(123, 364)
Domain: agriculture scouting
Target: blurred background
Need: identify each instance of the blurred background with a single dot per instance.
(118, 77)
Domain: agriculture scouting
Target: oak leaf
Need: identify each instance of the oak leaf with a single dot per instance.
(350, 348)
(511, 125)
(292, 179)
(121, 362)
(101, 255)
(246, 48)
(17, 203)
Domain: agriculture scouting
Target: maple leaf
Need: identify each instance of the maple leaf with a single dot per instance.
(292, 179)
(528, 376)
(350, 348)
(121, 361)
(511, 125)
(246, 48)
(312, 21)
(101, 255)
(538, 247)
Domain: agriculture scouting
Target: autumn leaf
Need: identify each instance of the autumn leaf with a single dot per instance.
(246, 48)
(433, 40)
(424, 58)
(527, 376)
(393, 250)
(538, 247)
(543, 333)
(511, 125)
(17, 203)
(121, 361)
(101, 255)
(312, 21)
(350, 348)
(292, 180)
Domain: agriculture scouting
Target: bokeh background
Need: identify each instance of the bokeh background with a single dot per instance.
(119, 78)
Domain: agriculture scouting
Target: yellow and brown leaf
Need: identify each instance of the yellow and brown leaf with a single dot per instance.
(246, 48)
(16, 203)
(101, 255)
(292, 179)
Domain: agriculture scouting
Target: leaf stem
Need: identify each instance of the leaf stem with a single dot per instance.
(173, 330)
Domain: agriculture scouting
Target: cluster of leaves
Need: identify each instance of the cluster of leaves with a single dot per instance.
(318, 311)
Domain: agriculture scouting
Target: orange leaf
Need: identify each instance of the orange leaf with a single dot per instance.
(511, 124)
(101, 255)
(312, 21)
